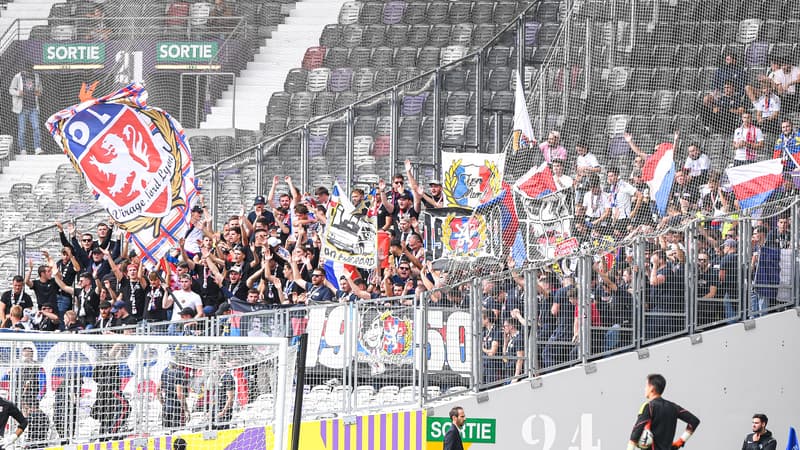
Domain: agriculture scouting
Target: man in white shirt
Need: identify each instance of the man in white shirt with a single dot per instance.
(596, 203)
(697, 164)
(184, 298)
(748, 140)
(767, 109)
(784, 77)
(562, 181)
(621, 196)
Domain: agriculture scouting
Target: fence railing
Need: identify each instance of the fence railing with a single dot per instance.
(506, 326)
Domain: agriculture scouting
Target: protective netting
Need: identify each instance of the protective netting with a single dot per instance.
(103, 390)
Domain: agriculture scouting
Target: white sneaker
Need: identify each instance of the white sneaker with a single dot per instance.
(38, 151)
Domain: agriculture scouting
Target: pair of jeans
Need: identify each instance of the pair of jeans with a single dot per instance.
(32, 116)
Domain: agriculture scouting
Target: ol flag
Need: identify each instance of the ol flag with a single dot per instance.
(137, 161)
(754, 183)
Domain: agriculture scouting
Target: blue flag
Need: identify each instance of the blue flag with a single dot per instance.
(791, 443)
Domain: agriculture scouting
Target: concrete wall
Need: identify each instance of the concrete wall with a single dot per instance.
(724, 379)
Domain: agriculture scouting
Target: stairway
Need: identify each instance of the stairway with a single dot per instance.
(22, 9)
(28, 169)
(266, 74)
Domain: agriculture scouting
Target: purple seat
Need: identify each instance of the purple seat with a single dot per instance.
(413, 104)
(531, 32)
(316, 145)
(393, 12)
(341, 79)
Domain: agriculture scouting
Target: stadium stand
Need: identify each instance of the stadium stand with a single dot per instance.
(609, 83)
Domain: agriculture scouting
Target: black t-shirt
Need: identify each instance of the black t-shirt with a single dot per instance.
(8, 409)
(265, 214)
(171, 378)
(154, 302)
(45, 292)
(224, 385)
(730, 265)
(88, 303)
(22, 299)
(490, 336)
(68, 274)
(134, 294)
(705, 280)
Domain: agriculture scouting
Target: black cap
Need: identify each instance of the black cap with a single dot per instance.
(197, 209)
(188, 311)
(223, 308)
(260, 200)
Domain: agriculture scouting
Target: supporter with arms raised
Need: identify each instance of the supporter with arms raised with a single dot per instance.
(315, 290)
(44, 287)
(67, 268)
(432, 199)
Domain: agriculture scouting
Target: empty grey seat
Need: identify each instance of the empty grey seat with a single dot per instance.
(363, 79)
(396, 35)
(295, 81)
(405, 57)
(457, 103)
(437, 12)
(455, 80)
(460, 12)
(483, 33)
(385, 78)
(336, 57)
(439, 35)
(370, 13)
(504, 12)
(374, 35)
(382, 57)
(482, 12)
(461, 34)
(331, 35)
(415, 13)
(323, 103)
(359, 57)
(428, 58)
(279, 104)
(300, 106)
(351, 36)
(417, 35)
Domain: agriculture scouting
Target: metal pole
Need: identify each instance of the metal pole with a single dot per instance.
(638, 291)
(532, 305)
(585, 307)
(298, 394)
(795, 227)
(520, 46)
(259, 157)
(437, 118)
(394, 118)
(479, 68)
(349, 143)
(690, 277)
(215, 193)
(304, 137)
(477, 353)
(21, 248)
(745, 267)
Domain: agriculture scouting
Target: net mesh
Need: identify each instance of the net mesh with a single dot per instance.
(106, 391)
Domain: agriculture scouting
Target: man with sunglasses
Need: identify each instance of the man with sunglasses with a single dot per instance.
(316, 291)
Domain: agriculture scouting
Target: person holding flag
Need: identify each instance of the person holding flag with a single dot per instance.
(787, 146)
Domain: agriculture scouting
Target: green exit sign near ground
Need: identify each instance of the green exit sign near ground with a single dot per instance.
(479, 431)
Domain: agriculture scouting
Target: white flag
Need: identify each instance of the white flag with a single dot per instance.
(522, 137)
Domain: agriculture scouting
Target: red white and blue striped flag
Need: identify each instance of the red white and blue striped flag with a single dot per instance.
(659, 173)
(754, 183)
(137, 161)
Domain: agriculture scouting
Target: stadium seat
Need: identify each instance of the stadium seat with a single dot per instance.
(437, 12)
(393, 12)
(349, 13)
(341, 79)
(382, 57)
(318, 79)
(336, 57)
(374, 35)
(504, 12)
(385, 78)
(323, 103)
(352, 35)
(295, 81)
(331, 36)
(415, 13)
(313, 58)
(359, 57)
(396, 35)
(370, 13)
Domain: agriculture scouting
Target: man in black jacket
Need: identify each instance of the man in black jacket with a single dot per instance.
(452, 439)
(659, 418)
(761, 438)
(8, 409)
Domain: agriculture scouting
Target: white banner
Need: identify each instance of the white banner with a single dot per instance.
(469, 179)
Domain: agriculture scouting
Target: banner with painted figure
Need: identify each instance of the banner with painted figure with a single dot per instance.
(469, 179)
(137, 161)
(350, 237)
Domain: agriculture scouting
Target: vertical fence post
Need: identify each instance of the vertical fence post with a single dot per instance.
(421, 351)
(745, 267)
(639, 287)
(520, 62)
(437, 118)
(690, 278)
(475, 338)
(21, 248)
(349, 142)
(795, 230)
(215, 194)
(259, 157)
(394, 118)
(479, 106)
(532, 308)
(585, 306)
(304, 137)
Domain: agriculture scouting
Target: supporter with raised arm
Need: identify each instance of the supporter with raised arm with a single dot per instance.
(784, 77)
(433, 199)
(155, 299)
(131, 290)
(315, 290)
(788, 142)
(44, 287)
(390, 199)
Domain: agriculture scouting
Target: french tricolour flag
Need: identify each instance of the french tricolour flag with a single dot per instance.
(754, 183)
(537, 182)
(659, 173)
(335, 270)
